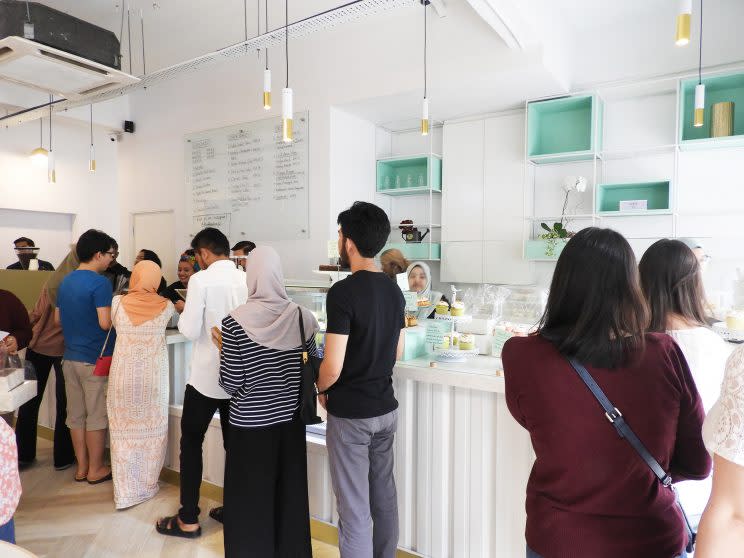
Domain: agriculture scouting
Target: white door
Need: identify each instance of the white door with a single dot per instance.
(154, 231)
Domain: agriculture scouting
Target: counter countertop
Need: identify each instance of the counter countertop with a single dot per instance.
(482, 373)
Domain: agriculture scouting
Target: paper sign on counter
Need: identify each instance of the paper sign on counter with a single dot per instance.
(500, 337)
(436, 330)
(411, 301)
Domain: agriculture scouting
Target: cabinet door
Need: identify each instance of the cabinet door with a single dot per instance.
(503, 264)
(462, 182)
(462, 262)
(504, 177)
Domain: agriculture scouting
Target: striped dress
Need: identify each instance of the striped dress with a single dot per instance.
(263, 383)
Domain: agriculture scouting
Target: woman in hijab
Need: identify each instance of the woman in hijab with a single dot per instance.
(137, 400)
(45, 352)
(266, 461)
(419, 281)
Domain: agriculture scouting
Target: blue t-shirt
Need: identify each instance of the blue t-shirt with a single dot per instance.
(79, 296)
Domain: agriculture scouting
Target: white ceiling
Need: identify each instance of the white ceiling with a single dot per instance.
(583, 42)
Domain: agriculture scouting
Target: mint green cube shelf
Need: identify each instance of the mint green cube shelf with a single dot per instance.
(656, 194)
(417, 250)
(414, 344)
(718, 89)
(562, 130)
(535, 250)
(393, 175)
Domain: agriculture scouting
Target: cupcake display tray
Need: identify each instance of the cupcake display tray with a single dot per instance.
(454, 355)
(730, 335)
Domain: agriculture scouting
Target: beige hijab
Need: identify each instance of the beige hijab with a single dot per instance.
(268, 317)
(142, 303)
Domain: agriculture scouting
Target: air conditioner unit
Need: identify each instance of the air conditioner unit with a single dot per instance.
(56, 71)
(57, 53)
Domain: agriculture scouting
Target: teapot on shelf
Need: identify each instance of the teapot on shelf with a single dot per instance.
(411, 233)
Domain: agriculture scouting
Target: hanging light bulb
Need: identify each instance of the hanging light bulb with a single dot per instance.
(40, 155)
(425, 105)
(92, 159)
(51, 171)
(682, 37)
(287, 134)
(267, 72)
(699, 116)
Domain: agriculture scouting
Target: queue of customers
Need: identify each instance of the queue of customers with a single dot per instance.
(640, 331)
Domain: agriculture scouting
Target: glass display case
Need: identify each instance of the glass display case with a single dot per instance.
(313, 297)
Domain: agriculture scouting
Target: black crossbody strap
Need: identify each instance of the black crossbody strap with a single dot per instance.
(615, 417)
(302, 337)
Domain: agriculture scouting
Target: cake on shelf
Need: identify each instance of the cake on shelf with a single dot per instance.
(458, 309)
(735, 320)
(467, 342)
(442, 307)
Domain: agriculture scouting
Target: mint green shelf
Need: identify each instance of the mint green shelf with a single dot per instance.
(417, 251)
(562, 130)
(534, 250)
(656, 194)
(427, 167)
(717, 89)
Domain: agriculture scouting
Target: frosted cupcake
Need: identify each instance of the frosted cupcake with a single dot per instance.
(442, 308)
(735, 321)
(458, 309)
(467, 342)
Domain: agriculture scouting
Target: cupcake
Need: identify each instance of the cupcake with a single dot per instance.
(458, 309)
(445, 342)
(423, 301)
(735, 321)
(467, 342)
(443, 308)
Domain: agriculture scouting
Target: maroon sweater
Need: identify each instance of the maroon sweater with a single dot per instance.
(589, 494)
(14, 318)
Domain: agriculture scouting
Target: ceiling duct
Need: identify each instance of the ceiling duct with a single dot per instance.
(346, 13)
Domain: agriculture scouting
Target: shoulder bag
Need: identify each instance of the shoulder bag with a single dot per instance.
(624, 431)
(309, 368)
(103, 363)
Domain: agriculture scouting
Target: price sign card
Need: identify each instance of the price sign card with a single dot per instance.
(500, 337)
(436, 330)
(411, 301)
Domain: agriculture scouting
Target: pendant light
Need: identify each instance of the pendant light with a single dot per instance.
(267, 72)
(51, 171)
(699, 118)
(40, 155)
(682, 37)
(287, 134)
(92, 160)
(425, 105)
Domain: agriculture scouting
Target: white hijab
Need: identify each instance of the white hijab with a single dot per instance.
(268, 317)
(427, 271)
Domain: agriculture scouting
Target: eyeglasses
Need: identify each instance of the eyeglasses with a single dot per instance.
(113, 255)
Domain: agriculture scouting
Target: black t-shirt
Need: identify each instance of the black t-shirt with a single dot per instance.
(170, 291)
(370, 309)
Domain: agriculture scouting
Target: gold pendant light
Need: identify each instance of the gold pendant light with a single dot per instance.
(699, 116)
(287, 133)
(92, 159)
(267, 72)
(425, 104)
(40, 156)
(684, 15)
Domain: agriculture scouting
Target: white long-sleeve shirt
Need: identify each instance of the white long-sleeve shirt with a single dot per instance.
(212, 294)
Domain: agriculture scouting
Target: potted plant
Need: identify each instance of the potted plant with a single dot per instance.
(558, 231)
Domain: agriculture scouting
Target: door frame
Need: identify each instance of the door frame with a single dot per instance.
(132, 215)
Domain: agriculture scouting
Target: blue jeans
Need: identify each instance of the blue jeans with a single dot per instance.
(7, 532)
(533, 554)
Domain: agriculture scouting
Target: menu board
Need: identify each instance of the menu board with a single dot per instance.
(247, 182)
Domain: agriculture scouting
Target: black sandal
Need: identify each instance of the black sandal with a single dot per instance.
(169, 526)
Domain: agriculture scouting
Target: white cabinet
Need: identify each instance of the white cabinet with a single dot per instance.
(462, 181)
(503, 173)
(462, 262)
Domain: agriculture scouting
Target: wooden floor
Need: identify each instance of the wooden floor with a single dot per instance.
(58, 517)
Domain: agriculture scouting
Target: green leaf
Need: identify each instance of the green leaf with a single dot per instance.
(557, 227)
(546, 227)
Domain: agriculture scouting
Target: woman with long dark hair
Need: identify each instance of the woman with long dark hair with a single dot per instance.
(589, 493)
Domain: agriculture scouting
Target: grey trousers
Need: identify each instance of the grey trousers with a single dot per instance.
(360, 452)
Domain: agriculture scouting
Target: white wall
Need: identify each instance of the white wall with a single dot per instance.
(91, 198)
(51, 233)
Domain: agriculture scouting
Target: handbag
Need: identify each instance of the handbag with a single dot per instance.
(103, 363)
(310, 369)
(624, 431)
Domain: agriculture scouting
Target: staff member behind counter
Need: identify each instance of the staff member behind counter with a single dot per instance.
(186, 268)
(419, 281)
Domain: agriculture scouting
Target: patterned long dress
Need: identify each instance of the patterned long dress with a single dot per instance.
(137, 405)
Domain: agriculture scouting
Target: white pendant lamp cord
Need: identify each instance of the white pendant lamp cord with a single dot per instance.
(286, 37)
(425, 39)
(51, 98)
(266, 29)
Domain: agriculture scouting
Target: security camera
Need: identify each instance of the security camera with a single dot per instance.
(112, 138)
(115, 136)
